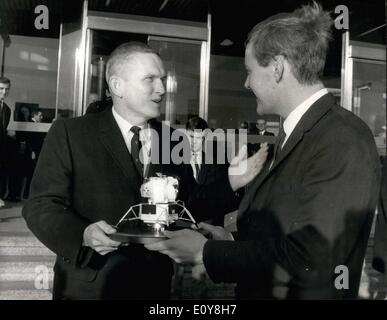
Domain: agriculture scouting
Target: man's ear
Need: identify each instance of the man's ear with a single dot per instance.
(115, 86)
(278, 67)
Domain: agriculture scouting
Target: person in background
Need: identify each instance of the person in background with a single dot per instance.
(304, 224)
(261, 127)
(96, 105)
(244, 125)
(5, 115)
(35, 142)
(262, 133)
(204, 172)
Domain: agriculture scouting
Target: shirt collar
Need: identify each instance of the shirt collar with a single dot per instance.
(295, 116)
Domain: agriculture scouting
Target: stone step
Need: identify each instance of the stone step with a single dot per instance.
(25, 276)
(26, 258)
(25, 267)
(25, 295)
(17, 241)
(20, 285)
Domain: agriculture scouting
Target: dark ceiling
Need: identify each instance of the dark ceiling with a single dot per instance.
(231, 19)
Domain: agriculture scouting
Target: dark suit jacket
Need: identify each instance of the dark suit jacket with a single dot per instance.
(309, 214)
(210, 174)
(85, 174)
(380, 250)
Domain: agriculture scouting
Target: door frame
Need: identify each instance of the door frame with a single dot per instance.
(174, 30)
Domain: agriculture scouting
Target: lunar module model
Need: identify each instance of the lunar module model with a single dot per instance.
(146, 222)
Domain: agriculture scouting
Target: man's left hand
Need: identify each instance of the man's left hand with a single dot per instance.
(184, 246)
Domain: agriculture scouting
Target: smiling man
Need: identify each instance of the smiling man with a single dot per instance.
(89, 174)
(311, 209)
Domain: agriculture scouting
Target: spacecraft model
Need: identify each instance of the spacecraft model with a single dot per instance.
(146, 222)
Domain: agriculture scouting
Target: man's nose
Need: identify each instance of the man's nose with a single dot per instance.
(247, 86)
(160, 89)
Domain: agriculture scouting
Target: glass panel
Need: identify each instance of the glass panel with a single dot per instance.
(230, 103)
(369, 98)
(31, 65)
(70, 65)
(182, 64)
(103, 43)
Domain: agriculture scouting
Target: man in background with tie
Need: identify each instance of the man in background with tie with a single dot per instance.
(5, 114)
(303, 225)
(262, 133)
(89, 174)
(203, 148)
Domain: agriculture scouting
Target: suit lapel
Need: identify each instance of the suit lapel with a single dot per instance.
(111, 138)
(309, 119)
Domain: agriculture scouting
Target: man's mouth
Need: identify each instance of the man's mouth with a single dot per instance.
(158, 100)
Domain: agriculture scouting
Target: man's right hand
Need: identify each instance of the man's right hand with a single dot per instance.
(215, 232)
(95, 237)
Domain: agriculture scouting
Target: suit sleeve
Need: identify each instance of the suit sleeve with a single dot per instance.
(48, 212)
(336, 196)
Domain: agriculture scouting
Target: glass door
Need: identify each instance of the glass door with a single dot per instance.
(181, 59)
(364, 86)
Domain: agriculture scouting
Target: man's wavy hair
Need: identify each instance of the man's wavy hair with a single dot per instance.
(302, 37)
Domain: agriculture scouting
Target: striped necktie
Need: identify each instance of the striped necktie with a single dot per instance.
(135, 149)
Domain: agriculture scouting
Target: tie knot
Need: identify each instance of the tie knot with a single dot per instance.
(135, 130)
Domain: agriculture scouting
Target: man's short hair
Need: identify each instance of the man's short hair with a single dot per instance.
(122, 54)
(5, 80)
(196, 123)
(302, 37)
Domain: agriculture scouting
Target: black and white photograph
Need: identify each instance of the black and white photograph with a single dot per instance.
(181, 151)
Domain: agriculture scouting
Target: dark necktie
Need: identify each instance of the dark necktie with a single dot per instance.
(135, 149)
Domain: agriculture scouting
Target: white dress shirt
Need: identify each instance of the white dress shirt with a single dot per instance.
(295, 116)
(145, 137)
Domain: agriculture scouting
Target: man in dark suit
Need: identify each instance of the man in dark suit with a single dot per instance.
(304, 223)
(262, 134)
(89, 174)
(205, 166)
(5, 114)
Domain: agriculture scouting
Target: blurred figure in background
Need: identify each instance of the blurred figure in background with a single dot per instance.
(204, 172)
